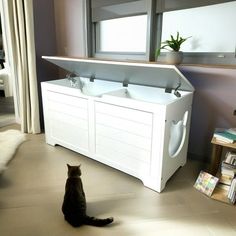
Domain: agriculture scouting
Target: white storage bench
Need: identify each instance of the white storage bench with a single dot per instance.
(134, 117)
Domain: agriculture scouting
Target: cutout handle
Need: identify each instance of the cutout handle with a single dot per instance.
(177, 135)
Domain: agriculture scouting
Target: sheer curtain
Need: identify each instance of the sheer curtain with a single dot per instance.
(18, 17)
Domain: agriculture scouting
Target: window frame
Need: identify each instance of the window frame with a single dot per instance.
(151, 35)
(153, 41)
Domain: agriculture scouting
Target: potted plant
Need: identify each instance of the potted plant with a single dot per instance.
(174, 56)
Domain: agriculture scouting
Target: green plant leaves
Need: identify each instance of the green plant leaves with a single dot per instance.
(173, 44)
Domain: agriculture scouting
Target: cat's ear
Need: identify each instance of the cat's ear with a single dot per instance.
(68, 166)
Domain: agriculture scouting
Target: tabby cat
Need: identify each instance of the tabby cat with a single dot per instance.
(74, 204)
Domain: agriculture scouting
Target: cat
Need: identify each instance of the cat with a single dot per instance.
(74, 204)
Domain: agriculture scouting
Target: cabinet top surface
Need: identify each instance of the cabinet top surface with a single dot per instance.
(148, 74)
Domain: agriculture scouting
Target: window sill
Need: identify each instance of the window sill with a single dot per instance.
(209, 66)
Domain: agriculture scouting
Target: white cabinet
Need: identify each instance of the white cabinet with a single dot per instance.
(123, 137)
(66, 120)
(69, 113)
(140, 130)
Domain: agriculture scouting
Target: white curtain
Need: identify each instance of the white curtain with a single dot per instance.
(18, 16)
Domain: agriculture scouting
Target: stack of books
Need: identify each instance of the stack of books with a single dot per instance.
(228, 166)
(225, 135)
(227, 179)
(223, 186)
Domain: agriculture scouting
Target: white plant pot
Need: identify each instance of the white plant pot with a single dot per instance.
(174, 57)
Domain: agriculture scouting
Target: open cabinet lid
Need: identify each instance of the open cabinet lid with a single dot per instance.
(148, 74)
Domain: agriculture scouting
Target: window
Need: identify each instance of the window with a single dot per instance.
(120, 29)
(126, 34)
(213, 38)
(211, 27)
(131, 29)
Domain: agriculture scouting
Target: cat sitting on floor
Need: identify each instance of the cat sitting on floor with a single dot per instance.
(74, 204)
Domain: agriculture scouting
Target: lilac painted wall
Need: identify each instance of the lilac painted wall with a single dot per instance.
(58, 31)
(213, 105)
(45, 43)
(69, 22)
(45, 38)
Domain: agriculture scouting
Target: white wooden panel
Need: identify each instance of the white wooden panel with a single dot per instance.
(124, 137)
(67, 99)
(125, 125)
(120, 159)
(68, 109)
(69, 134)
(135, 153)
(126, 113)
(70, 120)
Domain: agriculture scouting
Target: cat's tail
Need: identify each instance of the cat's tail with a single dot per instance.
(98, 222)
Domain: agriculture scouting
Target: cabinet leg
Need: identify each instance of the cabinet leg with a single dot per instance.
(215, 158)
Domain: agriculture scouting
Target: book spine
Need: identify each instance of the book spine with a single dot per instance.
(232, 191)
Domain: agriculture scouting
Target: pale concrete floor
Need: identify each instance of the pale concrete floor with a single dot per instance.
(7, 113)
(32, 189)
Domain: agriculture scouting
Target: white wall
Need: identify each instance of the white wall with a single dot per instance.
(69, 22)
